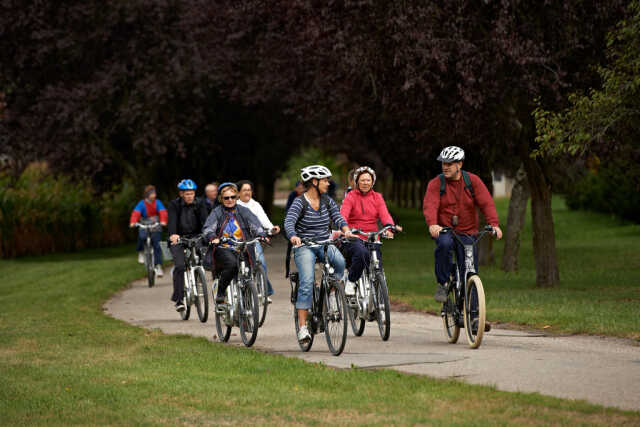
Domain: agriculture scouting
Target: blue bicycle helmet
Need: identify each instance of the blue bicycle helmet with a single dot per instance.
(187, 184)
(226, 184)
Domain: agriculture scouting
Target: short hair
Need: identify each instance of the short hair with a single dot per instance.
(243, 182)
(148, 190)
(212, 184)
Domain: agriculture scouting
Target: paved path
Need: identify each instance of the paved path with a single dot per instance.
(600, 370)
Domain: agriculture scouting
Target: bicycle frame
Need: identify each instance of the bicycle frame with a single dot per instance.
(192, 261)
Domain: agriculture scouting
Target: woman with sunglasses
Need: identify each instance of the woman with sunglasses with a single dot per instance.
(232, 221)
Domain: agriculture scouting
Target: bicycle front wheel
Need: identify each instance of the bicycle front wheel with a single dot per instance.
(261, 287)
(474, 311)
(202, 295)
(148, 260)
(184, 314)
(224, 330)
(383, 312)
(334, 313)
(249, 314)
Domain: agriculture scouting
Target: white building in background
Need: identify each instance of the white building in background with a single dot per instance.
(502, 185)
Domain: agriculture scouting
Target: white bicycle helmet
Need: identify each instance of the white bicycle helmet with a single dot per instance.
(314, 171)
(365, 169)
(451, 154)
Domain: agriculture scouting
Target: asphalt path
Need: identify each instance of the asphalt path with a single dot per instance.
(599, 370)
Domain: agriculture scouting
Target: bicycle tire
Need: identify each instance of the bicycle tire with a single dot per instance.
(202, 295)
(184, 314)
(357, 323)
(474, 284)
(383, 309)
(261, 287)
(335, 324)
(223, 330)
(148, 260)
(306, 346)
(248, 316)
(449, 319)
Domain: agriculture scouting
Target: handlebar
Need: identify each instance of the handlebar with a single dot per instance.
(375, 234)
(308, 241)
(147, 226)
(241, 244)
(486, 230)
(190, 241)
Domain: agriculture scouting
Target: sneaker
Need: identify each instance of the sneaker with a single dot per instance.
(350, 288)
(179, 306)
(140, 258)
(269, 300)
(303, 334)
(441, 293)
(159, 271)
(219, 298)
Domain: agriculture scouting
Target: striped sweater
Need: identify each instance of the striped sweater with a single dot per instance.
(315, 223)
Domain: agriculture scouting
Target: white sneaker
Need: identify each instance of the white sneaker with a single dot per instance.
(303, 334)
(350, 288)
(159, 271)
(140, 257)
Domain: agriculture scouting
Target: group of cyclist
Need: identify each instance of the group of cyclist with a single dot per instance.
(450, 201)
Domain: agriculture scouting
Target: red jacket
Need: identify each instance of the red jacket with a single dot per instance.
(458, 201)
(362, 210)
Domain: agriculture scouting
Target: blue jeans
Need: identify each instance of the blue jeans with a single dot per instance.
(444, 244)
(261, 260)
(155, 241)
(305, 258)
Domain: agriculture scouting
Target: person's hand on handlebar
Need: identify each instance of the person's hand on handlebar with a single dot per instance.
(132, 224)
(274, 230)
(434, 230)
(347, 233)
(295, 241)
(497, 232)
(389, 234)
(174, 239)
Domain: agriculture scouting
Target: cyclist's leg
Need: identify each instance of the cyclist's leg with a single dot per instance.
(336, 260)
(157, 251)
(142, 236)
(444, 244)
(177, 252)
(359, 255)
(261, 260)
(227, 265)
(305, 259)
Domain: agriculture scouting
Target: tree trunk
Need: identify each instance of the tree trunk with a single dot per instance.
(515, 220)
(544, 241)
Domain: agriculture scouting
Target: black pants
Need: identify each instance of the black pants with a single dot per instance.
(226, 267)
(177, 252)
(359, 256)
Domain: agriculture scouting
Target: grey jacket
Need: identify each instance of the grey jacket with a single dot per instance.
(249, 223)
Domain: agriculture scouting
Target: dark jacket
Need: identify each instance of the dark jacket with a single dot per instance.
(249, 223)
(185, 220)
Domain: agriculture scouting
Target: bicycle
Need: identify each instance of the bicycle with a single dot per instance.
(320, 318)
(465, 306)
(371, 301)
(260, 279)
(241, 308)
(149, 257)
(195, 284)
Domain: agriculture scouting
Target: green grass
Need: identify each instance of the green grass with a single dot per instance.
(63, 361)
(599, 263)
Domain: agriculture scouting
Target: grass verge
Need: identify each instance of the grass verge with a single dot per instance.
(62, 361)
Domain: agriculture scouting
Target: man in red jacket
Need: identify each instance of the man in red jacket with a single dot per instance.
(455, 207)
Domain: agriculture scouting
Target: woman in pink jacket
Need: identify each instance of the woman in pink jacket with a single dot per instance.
(362, 208)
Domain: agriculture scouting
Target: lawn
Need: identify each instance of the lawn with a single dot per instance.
(62, 361)
(599, 263)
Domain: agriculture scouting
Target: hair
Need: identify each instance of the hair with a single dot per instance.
(148, 189)
(224, 190)
(243, 182)
(351, 175)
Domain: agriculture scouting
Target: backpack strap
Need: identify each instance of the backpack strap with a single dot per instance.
(467, 183)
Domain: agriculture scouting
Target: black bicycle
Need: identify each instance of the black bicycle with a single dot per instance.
(328, 311)
(195, 284)
(149, 257)
(371, 301)
(241, 307)
(465, 306)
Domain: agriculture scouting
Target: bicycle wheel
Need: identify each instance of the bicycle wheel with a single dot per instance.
(449, 317)
(184, 314)
(335, 319)
(357, 323)
(223, 330)
(248, 318)
(383, 311)
(261, 287)
(148, 260)
(306, 346)
(474, 317)
(202, 295)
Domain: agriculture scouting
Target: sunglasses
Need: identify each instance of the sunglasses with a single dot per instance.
(229, 198)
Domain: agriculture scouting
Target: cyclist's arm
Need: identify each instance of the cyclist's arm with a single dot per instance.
(254, 223)
(136, 213)
(484, 201)
(292, 217)
(210, 226)
(431, 206)
(162, 213)
(347, 206)
(383, 212)
(337, 219)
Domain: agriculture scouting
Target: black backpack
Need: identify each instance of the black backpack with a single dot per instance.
(467, 183)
